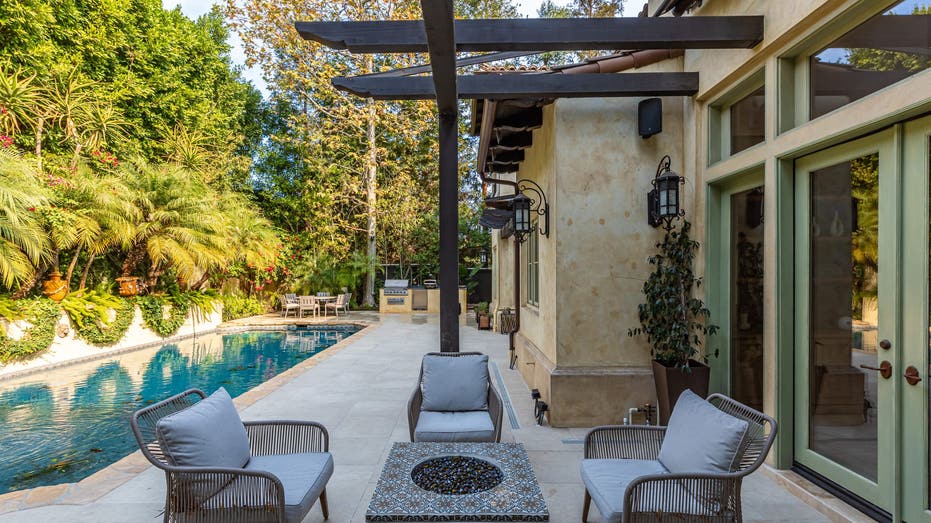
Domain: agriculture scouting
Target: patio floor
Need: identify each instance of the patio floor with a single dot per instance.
(360, 393)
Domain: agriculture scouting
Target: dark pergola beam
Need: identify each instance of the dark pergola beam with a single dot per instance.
(441, 39)
(504, 86)
(543, 34)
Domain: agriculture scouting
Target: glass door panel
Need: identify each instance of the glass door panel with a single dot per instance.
(915, 348)
(746, 297)
(844, 306)
(843, 247)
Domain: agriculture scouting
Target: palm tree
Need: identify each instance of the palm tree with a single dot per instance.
(177, 223)
(101, 217)
(23, 243)
(247, 236)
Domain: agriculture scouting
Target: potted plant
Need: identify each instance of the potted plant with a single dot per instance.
(674, 321)
(481, 315)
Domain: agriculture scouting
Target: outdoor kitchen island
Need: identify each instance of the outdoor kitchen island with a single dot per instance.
(399, 297)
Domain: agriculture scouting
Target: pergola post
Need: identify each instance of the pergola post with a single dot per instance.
(449, 232)
(441, 40)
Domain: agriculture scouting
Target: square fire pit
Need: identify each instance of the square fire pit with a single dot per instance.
(457, 482)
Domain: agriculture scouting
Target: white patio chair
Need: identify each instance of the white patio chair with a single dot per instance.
(340, 303)
(289, 303)
(308, 303)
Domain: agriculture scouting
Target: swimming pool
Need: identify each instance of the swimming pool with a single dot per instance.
(65, 424)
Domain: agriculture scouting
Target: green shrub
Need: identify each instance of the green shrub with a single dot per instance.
(236, 306)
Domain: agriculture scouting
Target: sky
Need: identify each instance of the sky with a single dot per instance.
(195, 8)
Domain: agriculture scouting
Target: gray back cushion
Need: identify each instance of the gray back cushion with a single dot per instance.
(206, 434)
(455, 383)
(701, 438)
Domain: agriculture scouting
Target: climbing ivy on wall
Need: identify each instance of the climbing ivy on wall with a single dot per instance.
(153, 313)
(100, 333)
(43, 314)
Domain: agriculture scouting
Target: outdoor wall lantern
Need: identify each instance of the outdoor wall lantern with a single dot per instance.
(484, 257)
(663, 199)
(524, 205)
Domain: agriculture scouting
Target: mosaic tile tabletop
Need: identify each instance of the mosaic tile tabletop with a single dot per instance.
(517, 498)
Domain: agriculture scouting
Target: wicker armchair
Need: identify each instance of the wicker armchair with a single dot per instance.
(234, 495)
(495, 407)
(666, 497)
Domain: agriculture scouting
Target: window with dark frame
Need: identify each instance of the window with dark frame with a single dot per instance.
(533, 266)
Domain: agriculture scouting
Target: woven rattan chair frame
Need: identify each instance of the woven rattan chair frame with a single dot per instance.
(681, 497)
(495, 407)
(227, 494)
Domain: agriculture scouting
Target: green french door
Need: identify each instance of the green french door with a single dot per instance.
(862, 318)
(915, 360)
(847, 315)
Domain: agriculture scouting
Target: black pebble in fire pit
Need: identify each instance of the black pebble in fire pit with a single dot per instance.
(456, 475)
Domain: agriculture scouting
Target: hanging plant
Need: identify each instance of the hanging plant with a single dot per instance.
(154, 314)
(97, 332)
(673, 320)
(43, 314)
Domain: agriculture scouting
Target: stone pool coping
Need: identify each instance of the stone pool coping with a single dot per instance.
(105, 480)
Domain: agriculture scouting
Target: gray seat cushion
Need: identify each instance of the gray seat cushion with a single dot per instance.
(606, 481)
(474, 426)
(701, 438)
(455, 383)
(304, 476)
(206, 434)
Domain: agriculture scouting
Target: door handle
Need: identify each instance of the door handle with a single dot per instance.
(885, 344)
(885, 369)
(912, 376)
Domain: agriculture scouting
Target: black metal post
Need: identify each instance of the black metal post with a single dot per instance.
(449, 232)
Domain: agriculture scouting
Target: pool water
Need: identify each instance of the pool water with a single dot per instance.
(67, 423)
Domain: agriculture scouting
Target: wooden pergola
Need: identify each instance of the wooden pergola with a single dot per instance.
(440, 35)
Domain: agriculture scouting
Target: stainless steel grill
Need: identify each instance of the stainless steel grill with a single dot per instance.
(396, 287)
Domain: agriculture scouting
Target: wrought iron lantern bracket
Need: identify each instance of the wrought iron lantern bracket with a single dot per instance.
(538, 205)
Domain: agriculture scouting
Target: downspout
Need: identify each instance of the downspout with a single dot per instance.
(513, 333)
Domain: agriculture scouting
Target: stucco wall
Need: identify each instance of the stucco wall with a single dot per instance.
(538, 324)
(602, 236)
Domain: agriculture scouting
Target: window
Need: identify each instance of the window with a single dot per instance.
(885, 49)
(533, 266)
(747, 117)
(737, 120)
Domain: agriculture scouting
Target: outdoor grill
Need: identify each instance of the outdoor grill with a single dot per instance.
(400, 297)
(396, 287)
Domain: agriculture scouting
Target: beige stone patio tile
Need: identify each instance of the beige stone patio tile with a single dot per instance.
(41, 496)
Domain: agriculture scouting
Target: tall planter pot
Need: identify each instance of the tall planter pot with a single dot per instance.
(672, 381)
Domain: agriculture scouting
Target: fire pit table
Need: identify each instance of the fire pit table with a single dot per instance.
(457, 482)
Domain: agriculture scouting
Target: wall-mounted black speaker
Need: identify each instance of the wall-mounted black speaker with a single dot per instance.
(650, 117)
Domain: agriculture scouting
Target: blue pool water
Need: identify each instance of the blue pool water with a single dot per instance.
(65, 424)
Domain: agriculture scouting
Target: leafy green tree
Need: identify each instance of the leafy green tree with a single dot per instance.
(23, 242)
